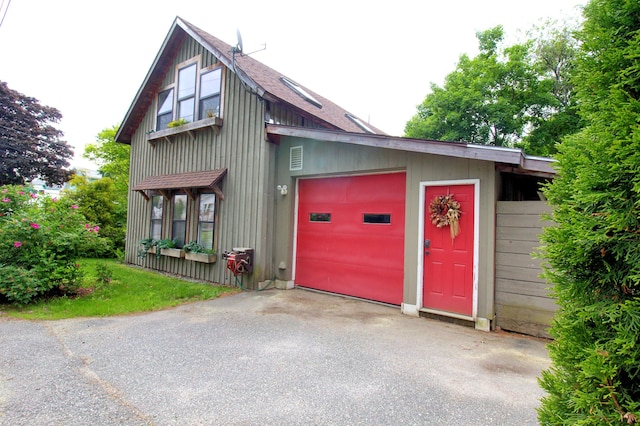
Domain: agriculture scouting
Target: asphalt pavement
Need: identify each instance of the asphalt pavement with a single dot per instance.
(266, 358)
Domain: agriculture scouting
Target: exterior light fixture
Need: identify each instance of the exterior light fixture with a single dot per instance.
(283, 189)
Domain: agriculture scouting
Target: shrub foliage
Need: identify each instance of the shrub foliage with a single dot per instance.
(594, 251)
(40, 241)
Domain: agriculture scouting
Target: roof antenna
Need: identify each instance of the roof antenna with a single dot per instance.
(238, 47)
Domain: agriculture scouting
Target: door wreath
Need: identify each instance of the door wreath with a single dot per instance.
(445, 211)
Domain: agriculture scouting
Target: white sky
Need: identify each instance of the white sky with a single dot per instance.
(375, 59)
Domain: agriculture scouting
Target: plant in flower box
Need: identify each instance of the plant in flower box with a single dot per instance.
(148, 245)
(168, 248)
(199, 253)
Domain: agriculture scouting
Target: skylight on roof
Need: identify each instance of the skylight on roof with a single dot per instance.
(301, 92)
(360, 123)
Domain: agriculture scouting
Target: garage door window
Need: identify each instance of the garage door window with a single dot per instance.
(319, 217)
(376, 218)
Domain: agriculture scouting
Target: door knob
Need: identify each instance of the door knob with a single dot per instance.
(427, 244)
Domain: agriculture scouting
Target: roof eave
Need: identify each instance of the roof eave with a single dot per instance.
(127, 128)
(511, 156)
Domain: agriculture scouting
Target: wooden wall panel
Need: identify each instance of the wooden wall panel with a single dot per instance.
(240, 147)
(523, 300)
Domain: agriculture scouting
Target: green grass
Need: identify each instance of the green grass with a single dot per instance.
(130, 290)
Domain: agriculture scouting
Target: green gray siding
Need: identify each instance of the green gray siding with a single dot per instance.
(245, 213)
(321, 158)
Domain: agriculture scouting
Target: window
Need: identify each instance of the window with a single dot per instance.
(187, 92)
(206, 220)
(210, 83)
(360, 123)
(165, 109)
(319, 217)
(156, 217)
(376, 218)
(195, 95)
(301, 92)
(179, 223)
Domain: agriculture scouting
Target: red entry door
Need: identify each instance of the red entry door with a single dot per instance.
(448, 263)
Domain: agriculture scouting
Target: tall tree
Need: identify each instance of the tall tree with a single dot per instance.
(105, 201)
(594, 251)
(30, 146)
(111, 157)
(504, 96)
(554, 51)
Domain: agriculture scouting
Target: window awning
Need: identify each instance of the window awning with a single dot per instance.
(188, 182)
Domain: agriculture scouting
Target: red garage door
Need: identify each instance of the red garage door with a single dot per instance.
(350, 236)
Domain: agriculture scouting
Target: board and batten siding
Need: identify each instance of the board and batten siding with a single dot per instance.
(523, 303)
(244, 215)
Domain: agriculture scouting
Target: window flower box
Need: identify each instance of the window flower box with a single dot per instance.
(172, 252)
(201, 257)
(152, 250)
(191, 129)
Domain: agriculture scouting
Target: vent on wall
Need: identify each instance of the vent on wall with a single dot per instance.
(295, 158)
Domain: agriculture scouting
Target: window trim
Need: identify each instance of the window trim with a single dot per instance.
(174, 220)
(192, 95)
(160, 220)
(218, 94)
(170, 113)
(213, 222)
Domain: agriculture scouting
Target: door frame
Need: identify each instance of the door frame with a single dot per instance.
(422, 217)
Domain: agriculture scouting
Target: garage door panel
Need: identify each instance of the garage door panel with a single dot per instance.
(350, 255)
(352, 280)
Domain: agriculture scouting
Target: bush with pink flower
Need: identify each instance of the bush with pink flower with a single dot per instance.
(40, 241)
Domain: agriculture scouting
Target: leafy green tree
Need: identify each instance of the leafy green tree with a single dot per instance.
(554, 51)
(505, 96)
(99, 202)
(594, 251)
(112, 158)
(30, 146)
(109, 208)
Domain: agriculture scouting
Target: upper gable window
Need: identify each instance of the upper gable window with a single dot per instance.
(195, 95)
(165, 109)
(210, 83)
(300, 92)
(187, 92)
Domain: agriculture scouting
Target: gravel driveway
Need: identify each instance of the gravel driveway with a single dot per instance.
(266, 358)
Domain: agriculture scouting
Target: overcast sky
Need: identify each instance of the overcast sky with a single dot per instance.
(375, 59)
